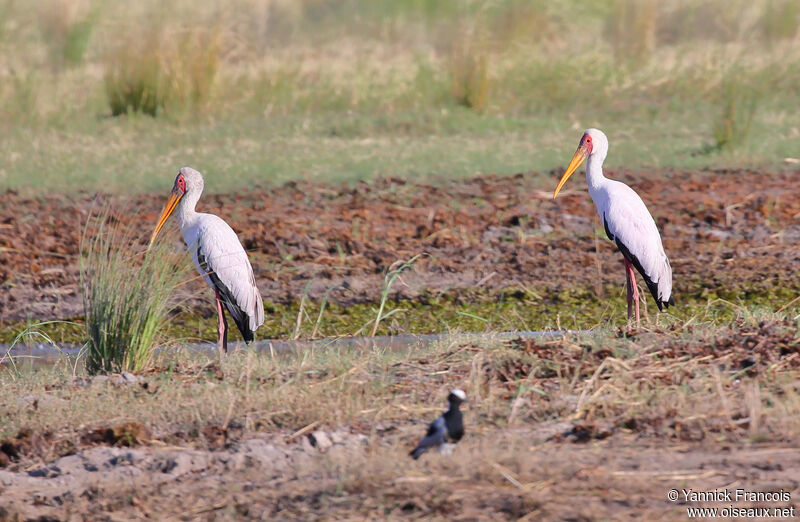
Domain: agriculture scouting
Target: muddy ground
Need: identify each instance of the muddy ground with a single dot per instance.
(728, 234)
(731, 234)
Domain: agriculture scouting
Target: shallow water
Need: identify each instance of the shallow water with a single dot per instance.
(45, 353)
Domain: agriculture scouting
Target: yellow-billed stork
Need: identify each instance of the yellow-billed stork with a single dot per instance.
(218, 256)
(627, 222)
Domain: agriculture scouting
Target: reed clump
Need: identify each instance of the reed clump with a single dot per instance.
(164, 71)
(126, 295)
(737, 106)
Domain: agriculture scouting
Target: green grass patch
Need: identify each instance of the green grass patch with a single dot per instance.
(512, 309)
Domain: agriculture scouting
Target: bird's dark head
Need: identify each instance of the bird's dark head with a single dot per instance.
(456, 397)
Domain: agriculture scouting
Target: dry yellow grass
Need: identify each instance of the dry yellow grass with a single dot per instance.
(184, 47)
(464, 86)
(684, 383)
(167, 69)
(609, 419)
(304, 89)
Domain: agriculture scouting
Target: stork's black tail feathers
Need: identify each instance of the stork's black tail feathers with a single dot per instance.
(653, 287)
(241, 319)
(244, 327)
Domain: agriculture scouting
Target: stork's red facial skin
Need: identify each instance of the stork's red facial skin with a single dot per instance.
(180, 184)
(586, 142)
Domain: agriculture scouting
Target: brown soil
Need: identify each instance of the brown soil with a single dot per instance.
(337, 474)
(724, 228)
(610, 465)
(730, 230)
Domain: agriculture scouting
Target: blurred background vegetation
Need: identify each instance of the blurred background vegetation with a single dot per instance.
(116, 95)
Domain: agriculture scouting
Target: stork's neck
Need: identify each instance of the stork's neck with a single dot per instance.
(594, 171)
(185, 211)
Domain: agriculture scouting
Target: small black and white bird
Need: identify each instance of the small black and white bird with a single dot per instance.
(449, 427)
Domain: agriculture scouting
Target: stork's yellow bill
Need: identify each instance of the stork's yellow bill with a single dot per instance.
(174, 198)
(584, 149)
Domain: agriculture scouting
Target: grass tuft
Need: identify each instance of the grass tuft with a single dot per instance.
(126, 297)
(781, 20)
(66, 30)
(162, 72)
(191, 63)
(631, 28)
(469, 72)
(19, 97)
(738, 105)
(388, 281)
(133, 79)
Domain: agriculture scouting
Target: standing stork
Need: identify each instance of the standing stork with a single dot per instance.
(627, 222)
(218, 256)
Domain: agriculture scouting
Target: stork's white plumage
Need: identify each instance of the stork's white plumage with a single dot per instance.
(218, 256)
(627, 222)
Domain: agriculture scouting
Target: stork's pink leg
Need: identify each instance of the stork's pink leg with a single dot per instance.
(629, 292)
(633, 291)
(222, 328)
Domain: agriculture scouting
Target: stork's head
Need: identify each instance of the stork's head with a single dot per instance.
(192, 180)
(456, 397)
(593, 143)
(188, 181)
